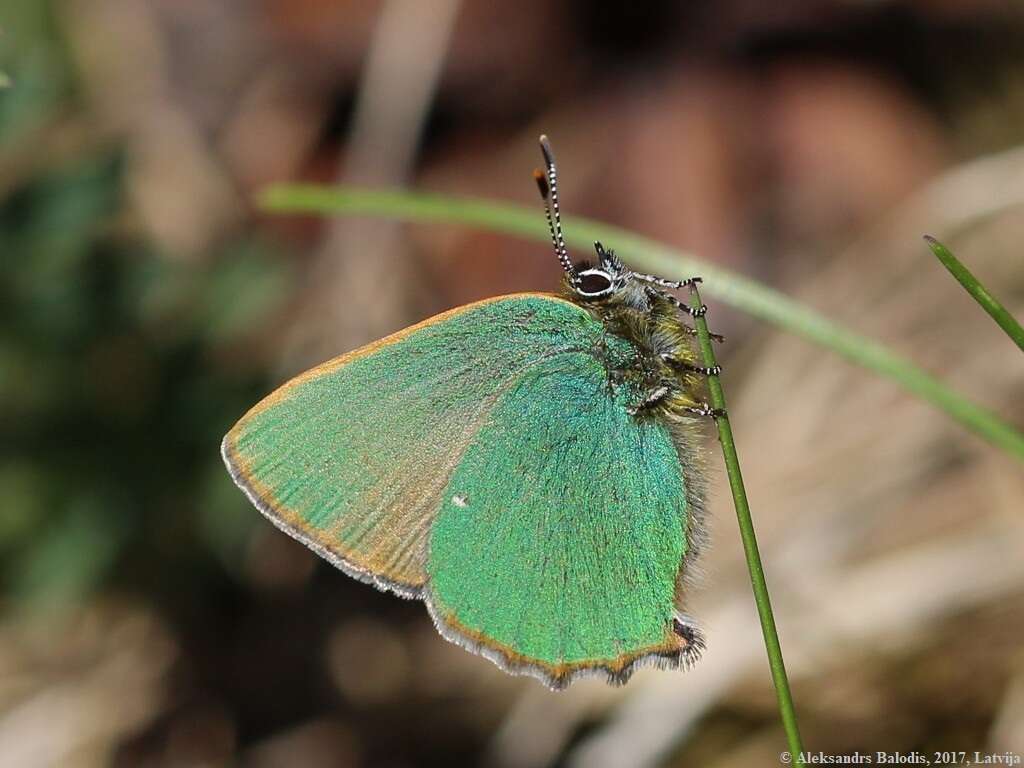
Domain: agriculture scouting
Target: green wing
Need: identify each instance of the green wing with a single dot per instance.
(563, 553)
(353, 456)
(484, 462)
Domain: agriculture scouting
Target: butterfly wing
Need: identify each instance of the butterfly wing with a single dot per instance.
(485, 462)
(352, 457)
(563, 531)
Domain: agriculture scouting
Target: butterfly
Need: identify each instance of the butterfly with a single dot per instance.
(526, 465)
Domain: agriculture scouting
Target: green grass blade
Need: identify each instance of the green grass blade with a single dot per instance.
(978, 292)
(741, 292)
(750, 549)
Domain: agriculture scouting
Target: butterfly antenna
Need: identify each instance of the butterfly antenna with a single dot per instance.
(547, 183)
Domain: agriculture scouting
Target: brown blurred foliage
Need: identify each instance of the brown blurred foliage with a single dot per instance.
(150, 617)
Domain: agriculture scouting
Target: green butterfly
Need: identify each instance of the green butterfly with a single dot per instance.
(525, 465)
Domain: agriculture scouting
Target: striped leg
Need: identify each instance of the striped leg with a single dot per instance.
(654, 397)
(680, 305)
(667, 283)
(685, 365)
(706, 410)
(693, 332)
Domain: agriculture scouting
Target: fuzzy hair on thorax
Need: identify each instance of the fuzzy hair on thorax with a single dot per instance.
(653, 326)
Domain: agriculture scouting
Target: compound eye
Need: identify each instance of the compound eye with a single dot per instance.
(594, 282)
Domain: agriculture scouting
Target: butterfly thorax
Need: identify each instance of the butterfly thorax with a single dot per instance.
(662, 345)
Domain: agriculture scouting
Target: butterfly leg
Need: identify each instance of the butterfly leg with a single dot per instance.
(693, 332)
(667, 283)
(653, 397)
(682, 306)
(654, 293)
(706, 410)
(685, 365)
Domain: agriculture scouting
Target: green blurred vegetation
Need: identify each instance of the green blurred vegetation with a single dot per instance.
(116, 381)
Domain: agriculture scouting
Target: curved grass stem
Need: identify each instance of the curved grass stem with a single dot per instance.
(741, 292)
(750, 549)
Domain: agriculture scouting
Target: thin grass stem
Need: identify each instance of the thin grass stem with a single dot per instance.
(750, 549)
(978, 292)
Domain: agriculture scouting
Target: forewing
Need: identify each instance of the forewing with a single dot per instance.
(353, 457)
(563, 531)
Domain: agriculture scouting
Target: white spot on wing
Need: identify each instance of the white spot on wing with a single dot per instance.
(460, 500)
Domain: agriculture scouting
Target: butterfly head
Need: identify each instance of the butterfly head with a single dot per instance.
(603, 280)
(590, 282)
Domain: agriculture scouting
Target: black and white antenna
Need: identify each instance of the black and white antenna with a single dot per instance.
(547, 183)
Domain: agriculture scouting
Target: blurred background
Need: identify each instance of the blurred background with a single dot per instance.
(150, 617)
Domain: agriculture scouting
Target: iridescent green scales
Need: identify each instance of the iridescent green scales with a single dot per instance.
(489, 462)
(523, 465)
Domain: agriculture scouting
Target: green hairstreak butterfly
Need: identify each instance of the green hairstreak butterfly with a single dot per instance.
(525, 465)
